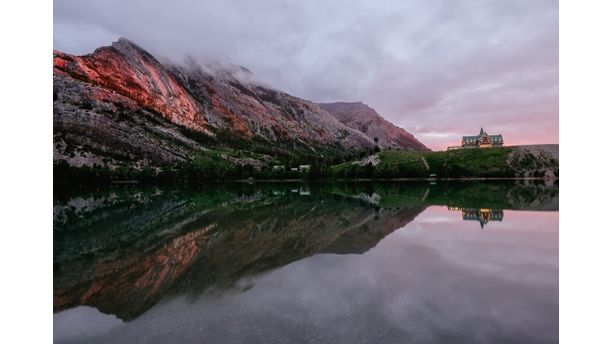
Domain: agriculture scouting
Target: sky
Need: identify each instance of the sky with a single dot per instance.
(439, 69)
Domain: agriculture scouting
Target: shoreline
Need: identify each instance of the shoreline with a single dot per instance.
(294, 180)
(399, 179)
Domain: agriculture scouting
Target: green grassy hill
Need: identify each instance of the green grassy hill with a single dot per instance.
(505, 162)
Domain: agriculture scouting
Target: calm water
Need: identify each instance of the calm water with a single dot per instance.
(294, 263)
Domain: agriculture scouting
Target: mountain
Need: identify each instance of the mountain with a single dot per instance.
(121, 106)
(365, 119)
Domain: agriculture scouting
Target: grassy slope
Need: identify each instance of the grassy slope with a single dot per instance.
(492, 162)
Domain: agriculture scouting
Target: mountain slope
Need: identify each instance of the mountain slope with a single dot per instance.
(265, 112)
(365, 119)
(120, 106)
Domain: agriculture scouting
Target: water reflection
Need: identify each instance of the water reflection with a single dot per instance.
(126, 249)
(482, 215)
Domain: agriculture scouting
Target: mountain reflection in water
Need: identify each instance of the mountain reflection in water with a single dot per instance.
(125, 249)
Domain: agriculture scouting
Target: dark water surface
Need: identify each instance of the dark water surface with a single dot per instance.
(461, 262)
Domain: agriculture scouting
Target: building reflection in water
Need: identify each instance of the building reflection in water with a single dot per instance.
(482, 215)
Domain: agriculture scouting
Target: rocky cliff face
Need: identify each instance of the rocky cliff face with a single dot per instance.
(120, 103)
(127, 70)
(365, 119)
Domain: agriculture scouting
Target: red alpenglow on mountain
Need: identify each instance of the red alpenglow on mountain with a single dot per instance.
(131, 72)
(120, 102)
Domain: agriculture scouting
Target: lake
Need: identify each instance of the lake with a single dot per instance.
(412, 262)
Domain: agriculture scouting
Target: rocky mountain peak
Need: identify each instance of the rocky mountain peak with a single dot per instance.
(360, 116)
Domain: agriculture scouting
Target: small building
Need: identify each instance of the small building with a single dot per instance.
(482, 140)
(278, 168)
(304, 168)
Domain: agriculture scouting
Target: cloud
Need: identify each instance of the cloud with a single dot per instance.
(429, 66)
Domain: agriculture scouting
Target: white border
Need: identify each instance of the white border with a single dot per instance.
(26, 172)
(26, 183)
(585, 230)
